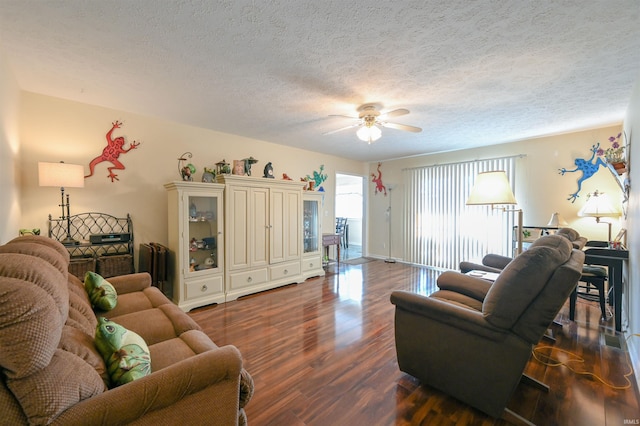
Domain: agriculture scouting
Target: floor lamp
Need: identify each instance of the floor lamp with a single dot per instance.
(389, 259)
(61, 175)
(493, 188)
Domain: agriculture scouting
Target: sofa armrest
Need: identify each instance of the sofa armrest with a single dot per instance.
(451, 314)
(131, 282)
(476, 288)
(157, 397)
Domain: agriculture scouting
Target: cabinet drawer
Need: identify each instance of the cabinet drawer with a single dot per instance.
(311, 264)
(248, 279)
(284, 271)
(202, 288)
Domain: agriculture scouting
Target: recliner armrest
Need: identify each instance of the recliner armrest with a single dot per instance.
(496, 261)
(474, 287)
(469, 320)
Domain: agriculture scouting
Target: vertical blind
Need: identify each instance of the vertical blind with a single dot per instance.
(440, 230)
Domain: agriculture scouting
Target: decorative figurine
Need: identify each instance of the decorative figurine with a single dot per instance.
(186, 170)
(209, 175)
(111, 153)
(223, 168)
(286, 177)
(378, 181)
(268, 171)
(247, 165)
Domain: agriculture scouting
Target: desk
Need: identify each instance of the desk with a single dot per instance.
(331, 240)
(613, 259)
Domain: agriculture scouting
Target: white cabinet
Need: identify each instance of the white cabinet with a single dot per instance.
(312, 235)
(264, 233)
(196, 242)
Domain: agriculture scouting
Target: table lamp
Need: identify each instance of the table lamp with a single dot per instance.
(61, 175)
(557, 221)
(492, 188)
(598, 205)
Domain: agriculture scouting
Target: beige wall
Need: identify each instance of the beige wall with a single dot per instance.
(54, 129)
(539, 188)
(9, 153)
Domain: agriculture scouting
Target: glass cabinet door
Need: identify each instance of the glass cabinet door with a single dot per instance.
(310, 226)
(202, 233)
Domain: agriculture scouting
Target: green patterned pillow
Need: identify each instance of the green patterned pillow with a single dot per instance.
(125, 352)
(102, 294)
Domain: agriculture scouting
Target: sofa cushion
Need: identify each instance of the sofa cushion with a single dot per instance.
(158, 324)
(523, 279)
(125, 353)
(63, 383)
(81, 315)
(83, 345)
(101, 293)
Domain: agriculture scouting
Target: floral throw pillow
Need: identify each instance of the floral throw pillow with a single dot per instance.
(124, 352)
(102, 294)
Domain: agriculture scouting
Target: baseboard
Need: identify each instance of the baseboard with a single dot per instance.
(633, 346)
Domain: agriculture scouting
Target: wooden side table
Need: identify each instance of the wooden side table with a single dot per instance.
(331, 240)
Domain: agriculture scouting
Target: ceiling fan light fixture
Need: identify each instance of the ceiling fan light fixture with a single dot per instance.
(369, 134)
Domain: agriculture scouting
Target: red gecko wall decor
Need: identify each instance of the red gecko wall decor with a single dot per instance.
(111, 153)
(378, 181)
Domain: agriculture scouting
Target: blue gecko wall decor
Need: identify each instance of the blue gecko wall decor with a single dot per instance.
(587, 167)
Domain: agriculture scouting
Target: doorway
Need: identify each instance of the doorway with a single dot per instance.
(350, 205)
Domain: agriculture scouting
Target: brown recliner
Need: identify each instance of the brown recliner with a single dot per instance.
(472, 339)
(496, 263)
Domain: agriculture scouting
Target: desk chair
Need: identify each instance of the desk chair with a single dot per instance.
(592, 276)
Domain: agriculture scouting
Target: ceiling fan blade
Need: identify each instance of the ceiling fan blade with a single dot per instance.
(395, 113)
(404, 127)
(343, 128)
(344, 116)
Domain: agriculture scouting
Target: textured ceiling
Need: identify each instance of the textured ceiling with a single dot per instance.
(472, 73)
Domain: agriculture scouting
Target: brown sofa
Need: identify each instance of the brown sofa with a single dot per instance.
(52, 372)
(472, 339)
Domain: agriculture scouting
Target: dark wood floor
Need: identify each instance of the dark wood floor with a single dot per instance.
(322, 353)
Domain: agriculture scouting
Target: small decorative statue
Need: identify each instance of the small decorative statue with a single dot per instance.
(268, 171)
(248, 162)
(223, 168)
(208, 175)
(186, 171)
(286, 177)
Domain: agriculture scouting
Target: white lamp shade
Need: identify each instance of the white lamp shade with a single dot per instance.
(369, 134)
(557, 221)
(491, 188)
(598, 205)
(60, 175)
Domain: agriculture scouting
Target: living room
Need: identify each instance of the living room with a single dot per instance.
(39, 127)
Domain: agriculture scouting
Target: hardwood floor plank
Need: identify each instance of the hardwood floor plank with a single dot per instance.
(323, 353)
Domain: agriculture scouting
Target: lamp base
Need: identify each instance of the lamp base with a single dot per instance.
(70, 242)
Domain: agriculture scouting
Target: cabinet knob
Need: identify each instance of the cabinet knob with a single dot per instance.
(311, 265)
(249, 279)
(286, 271)
(205, 288)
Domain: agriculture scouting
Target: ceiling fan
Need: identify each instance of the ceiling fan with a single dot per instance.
(369, 118)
